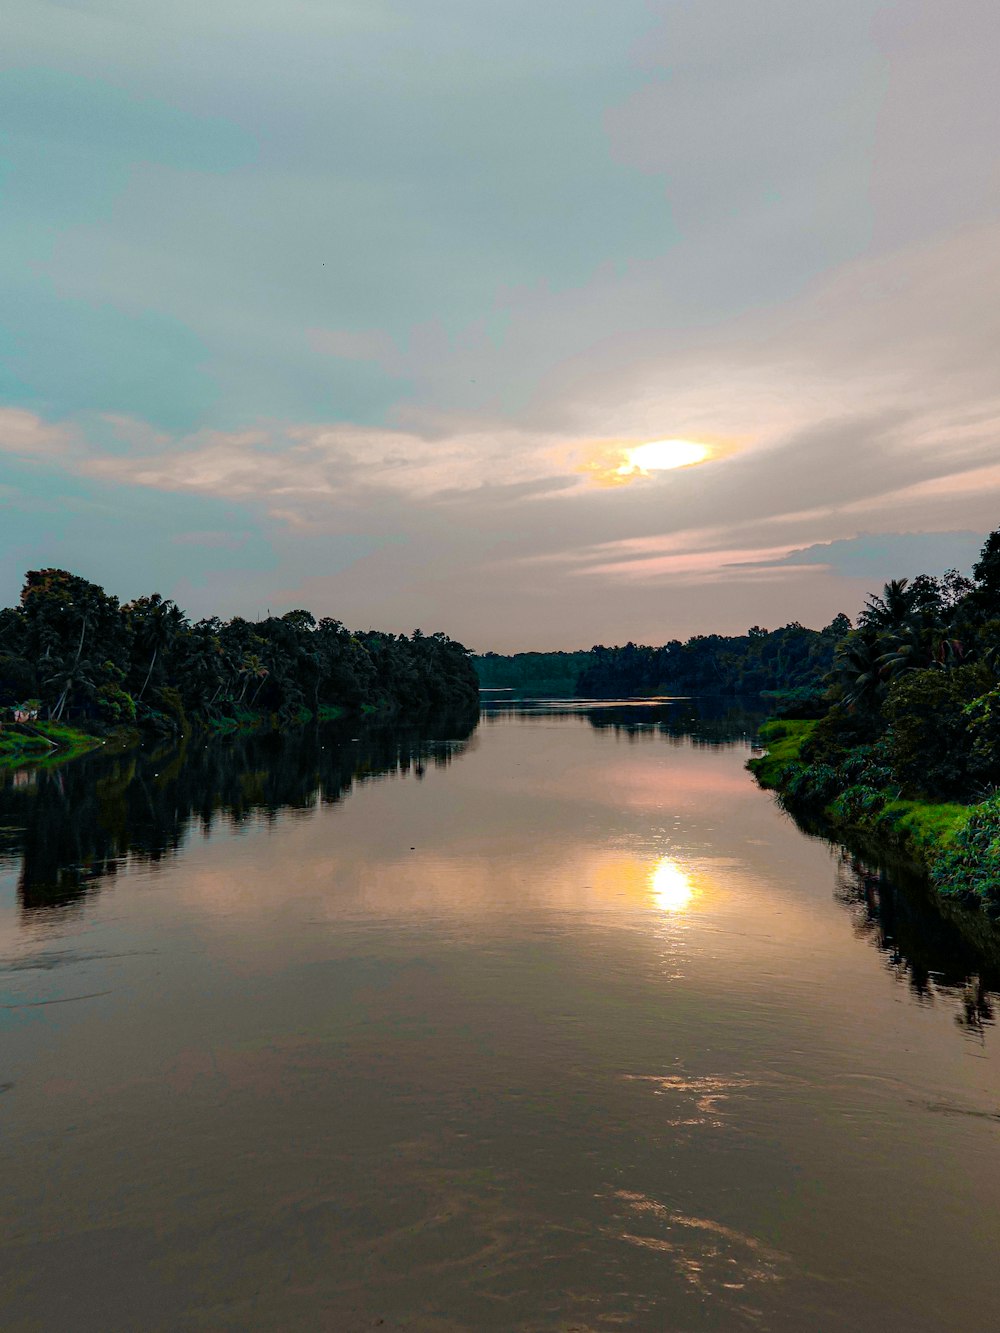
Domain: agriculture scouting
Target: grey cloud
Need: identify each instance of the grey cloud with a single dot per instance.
(891, 554)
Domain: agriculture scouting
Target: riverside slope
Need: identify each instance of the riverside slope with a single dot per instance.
(956, 846)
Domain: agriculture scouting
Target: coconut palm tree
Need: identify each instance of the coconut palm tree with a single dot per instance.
(861, 671)
(251, 668)
(156, 622)
(79, 675)
(891, 611)
(904, 651)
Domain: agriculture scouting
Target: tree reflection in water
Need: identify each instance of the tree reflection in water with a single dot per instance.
(72, 826)
(936, 951)
(706, 720)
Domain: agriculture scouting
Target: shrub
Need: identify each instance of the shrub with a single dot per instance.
(929, 742)
(115, 705)
(857, 803)
(983, 727)
(969, 868)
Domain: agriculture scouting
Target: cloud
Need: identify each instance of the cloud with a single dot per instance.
(370, 283)
(30, 438)
(893, 554)
(303, 466)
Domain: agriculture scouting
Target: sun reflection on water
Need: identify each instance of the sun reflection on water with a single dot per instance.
(671, 885)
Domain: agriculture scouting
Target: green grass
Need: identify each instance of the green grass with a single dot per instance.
(784, 741)
(56, 743)
(922, 824)
(933, 836)
(242, 719)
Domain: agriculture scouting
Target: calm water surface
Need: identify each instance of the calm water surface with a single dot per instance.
(558, 1025)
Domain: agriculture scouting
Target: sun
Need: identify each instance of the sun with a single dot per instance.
(619, 462)
(662, 456)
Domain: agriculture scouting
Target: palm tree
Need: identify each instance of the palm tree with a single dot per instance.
(156, 623)
(252, 668)
(860, 668)
(905, 652)
(892, 610)
(78, 675)
(949, 653)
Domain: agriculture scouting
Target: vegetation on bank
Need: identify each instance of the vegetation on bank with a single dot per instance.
(532, 673)
(70, 654)
(44, 742)
(902, 748)
(787, 663)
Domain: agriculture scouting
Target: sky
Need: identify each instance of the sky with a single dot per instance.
(361, 305)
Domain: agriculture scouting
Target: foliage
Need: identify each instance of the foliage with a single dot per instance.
(928, 737)
(789, 662)
(969, 869)
(532, 673)
(785, 741)
(92, 661)
(909, 738)
(43, 742)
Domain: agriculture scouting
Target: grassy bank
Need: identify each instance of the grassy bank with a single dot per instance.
(56, 742)
(44, 742)
(957, 847)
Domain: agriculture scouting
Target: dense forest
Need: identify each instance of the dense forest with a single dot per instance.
(792, 660)
(532, 673)
(70, 652)
(906, 744)
(789, 662)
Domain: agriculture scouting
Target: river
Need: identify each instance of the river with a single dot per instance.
(554, 1024)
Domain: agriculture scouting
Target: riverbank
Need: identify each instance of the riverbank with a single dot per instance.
(44, 742)
(50, 743)
(249, 720)
(956, 847)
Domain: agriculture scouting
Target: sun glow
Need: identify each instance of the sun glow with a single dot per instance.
(662, 456)
(671, 886)
(618, 462)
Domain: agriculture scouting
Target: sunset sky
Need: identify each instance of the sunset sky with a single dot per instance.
(361, 305)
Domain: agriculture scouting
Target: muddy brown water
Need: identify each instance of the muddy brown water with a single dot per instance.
(557, 1023)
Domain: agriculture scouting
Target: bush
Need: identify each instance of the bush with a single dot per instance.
(816, 784)
(858, 803)
(837, 734)
(969, 869)
(929, 743)
(115, 706)
(983, 727)
(172, 705)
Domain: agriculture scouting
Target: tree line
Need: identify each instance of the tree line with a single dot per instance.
(535, 673)
(907, 738)
(790, 661)
(70, 651)
(914, 692)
